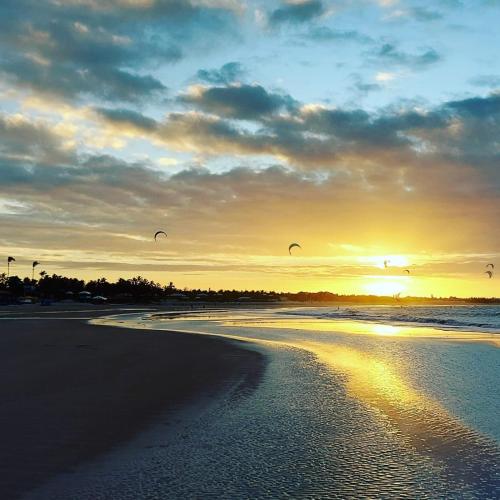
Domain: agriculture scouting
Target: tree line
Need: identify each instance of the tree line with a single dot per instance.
(140, 289)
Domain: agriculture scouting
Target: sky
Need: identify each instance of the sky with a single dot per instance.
(365, 130)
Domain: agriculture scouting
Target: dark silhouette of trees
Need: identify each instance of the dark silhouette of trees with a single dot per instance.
(57, 287)
(142, 290)
(12, 284)
(99, 286)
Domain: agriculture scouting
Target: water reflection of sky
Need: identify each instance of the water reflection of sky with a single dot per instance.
(388, 366)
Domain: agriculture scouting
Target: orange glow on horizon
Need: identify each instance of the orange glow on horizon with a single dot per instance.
(381, 285)
(346, 273)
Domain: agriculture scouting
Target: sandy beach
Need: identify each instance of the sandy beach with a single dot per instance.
(70, 391)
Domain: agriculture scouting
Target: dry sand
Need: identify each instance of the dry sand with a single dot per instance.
(70, 391)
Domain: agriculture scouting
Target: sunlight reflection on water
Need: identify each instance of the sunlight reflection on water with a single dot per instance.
(408, 376)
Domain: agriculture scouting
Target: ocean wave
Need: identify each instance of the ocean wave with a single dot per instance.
(463, 318)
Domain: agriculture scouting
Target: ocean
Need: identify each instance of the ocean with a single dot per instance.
(472, 318)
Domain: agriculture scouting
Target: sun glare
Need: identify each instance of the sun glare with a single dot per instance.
(385, 330)
(391, 261)
(383, 286)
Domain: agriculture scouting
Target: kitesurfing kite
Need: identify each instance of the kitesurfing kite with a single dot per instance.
(407, 271)
(491, 265)
(489, 273)
(160, 232)
(293, 245)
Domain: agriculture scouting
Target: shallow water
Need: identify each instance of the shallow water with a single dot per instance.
(459, 317)
(459, 370)
(387, 411)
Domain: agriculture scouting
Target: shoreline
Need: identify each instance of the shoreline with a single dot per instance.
(71, 391)
(352, 326)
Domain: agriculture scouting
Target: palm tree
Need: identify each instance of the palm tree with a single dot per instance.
(9, 260)
(35, 263)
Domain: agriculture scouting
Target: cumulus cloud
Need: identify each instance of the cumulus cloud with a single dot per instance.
(296, 12)
(105, 50)
(128, 117)
(241, 101)
(388, 53)
(31, 141)
(228, 73)
(342, 168)
(317, 137)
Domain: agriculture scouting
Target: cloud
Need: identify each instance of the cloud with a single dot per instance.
(326, 34)
(491, 81)
(420, 14)
(315, 137)
(332, 167)
(478, 107)
(363, 87)
(228, 73)
(67, 81)
(241, 101)
(222, 218)
(296, 12)
(31, 141)
(394, 147)
(388, 53)
(128, 117)
(104, 50)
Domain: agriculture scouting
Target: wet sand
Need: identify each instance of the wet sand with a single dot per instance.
(71, 391)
